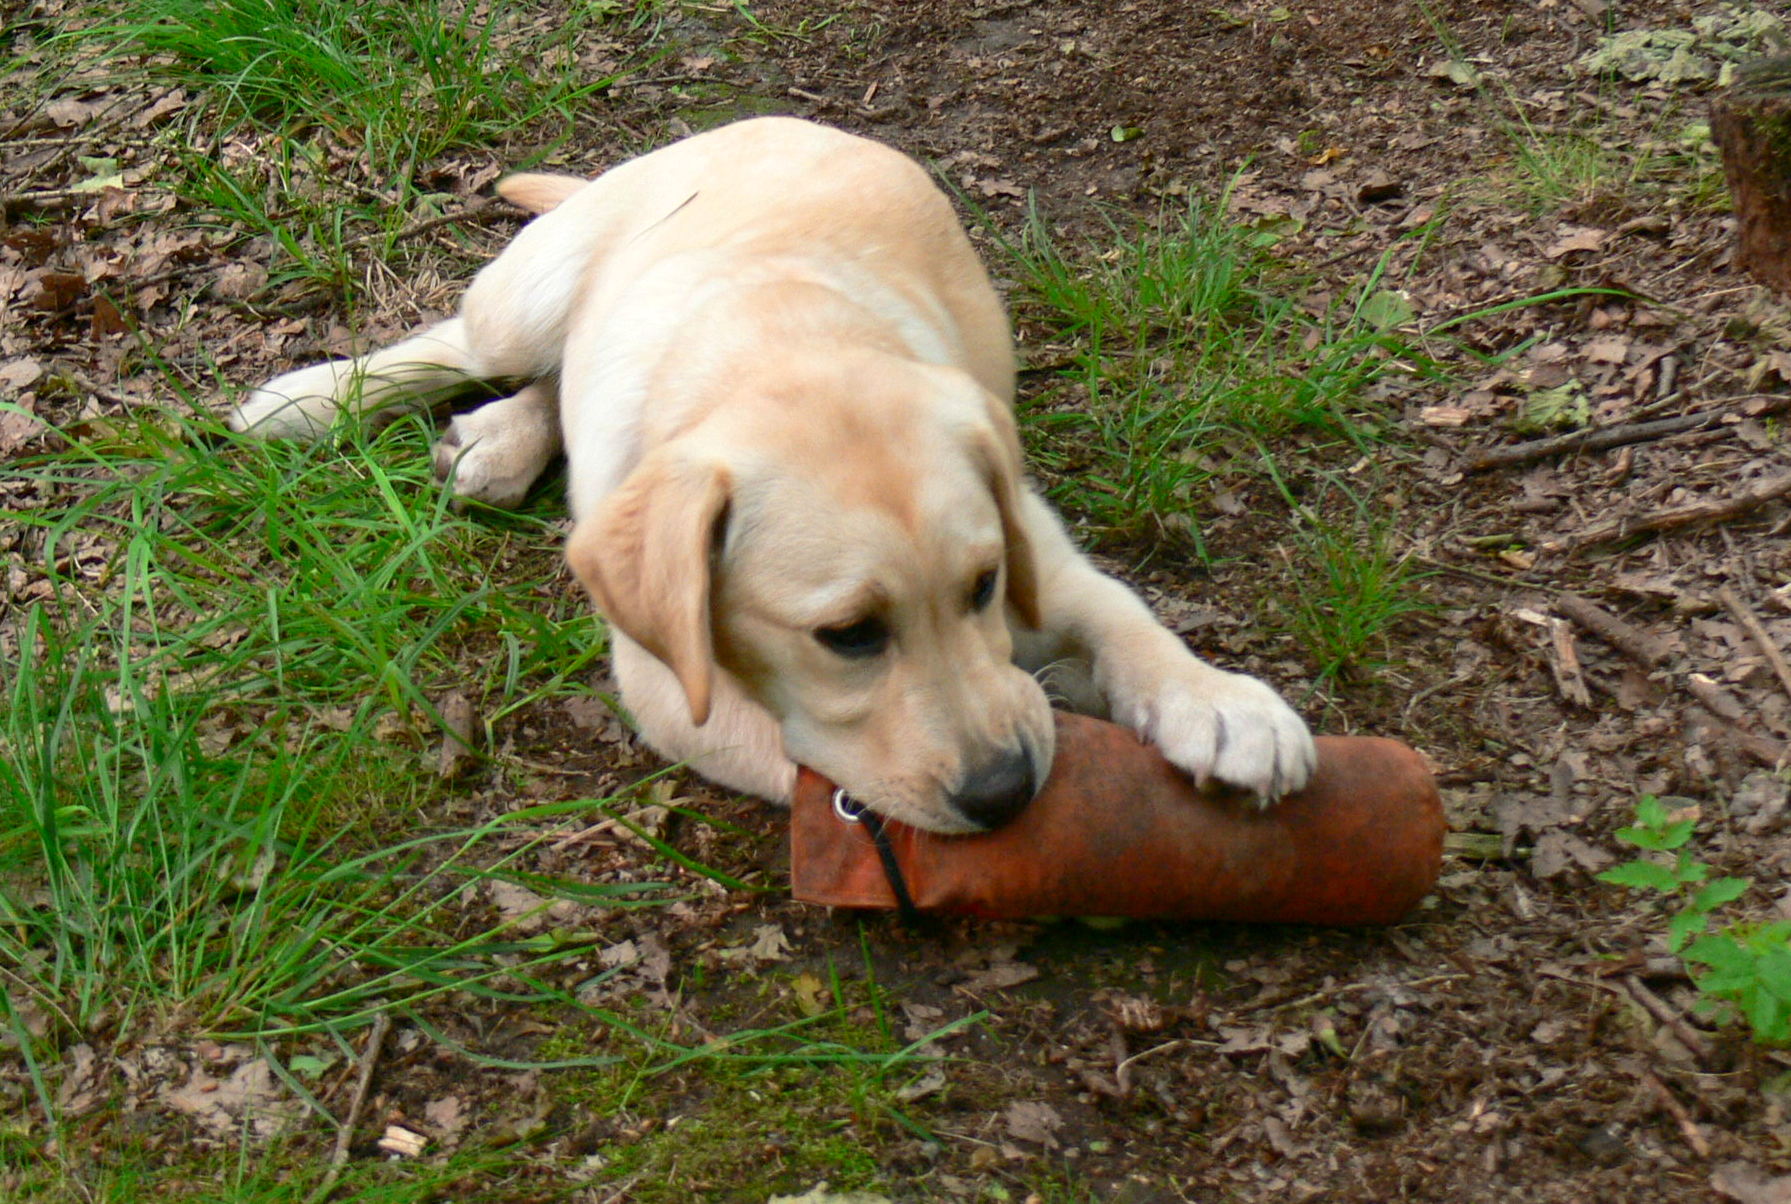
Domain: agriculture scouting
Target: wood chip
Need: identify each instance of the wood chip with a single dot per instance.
(402, 1141)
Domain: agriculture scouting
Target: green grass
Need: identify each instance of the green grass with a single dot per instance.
(1354, 585)
(1191, 359)
(215, 811)
(805, 1090)
(1590, 167)
(276, 1173)
(1187, 342)
(316, 119)
(398, 83)
(211, 752)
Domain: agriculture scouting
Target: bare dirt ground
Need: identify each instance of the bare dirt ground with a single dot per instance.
(1522, 1036)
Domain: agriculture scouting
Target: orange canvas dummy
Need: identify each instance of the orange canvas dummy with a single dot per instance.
(1119, 831)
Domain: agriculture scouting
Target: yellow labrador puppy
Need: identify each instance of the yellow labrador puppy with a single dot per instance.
(782, 380)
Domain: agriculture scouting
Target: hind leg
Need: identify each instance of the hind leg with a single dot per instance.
(405, 376)
(494, 454)
(512, 324)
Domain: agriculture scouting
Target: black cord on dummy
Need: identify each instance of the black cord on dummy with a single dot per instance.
(854, 812)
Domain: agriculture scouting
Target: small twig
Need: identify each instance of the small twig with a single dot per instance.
(1773, 754)
(559, 771)
(1715, 699)
(1732, 717)
(1633, 989)
(16, 144)
(838, 106)
(46, 198)
(38, 995)
(1463, 570)
(424, 225)
(1565, 663)
(1664, 1012)
(1596, 439)
(1277, 1005)
(1122, 1074)
(1632, 642)
(1679, 516)
(1744, 614)
(621, 1193)
(1688, 1128)
(89, 385)
(376, 1039)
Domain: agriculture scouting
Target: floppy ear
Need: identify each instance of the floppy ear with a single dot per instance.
(644, 556)
(998, 450)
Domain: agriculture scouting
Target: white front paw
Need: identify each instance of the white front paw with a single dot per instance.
(295, 405)
(480, 467)
(1224, 727)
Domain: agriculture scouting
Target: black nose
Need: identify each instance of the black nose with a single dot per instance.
(993, 793)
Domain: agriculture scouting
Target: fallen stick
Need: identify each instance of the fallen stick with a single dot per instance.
(1730, 716)
(1596, 439)
(1716, 700)
(1569, 677)
(1664, 1012)
(1632, 642)
(376, 1040)
(1604, 438)
(1745, 615)
(1649, 652)
(1688, 1128)
(1678, 516)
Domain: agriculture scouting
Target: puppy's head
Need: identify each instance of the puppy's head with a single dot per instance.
(849, 546)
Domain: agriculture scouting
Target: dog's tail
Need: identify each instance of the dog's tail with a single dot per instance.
(537, 192)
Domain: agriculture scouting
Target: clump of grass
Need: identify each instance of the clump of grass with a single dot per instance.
(822, 1067)
(1351, 587)
(401, 81)
(1601, 165)
(1185, 337)
(214, 731)
(316, 119)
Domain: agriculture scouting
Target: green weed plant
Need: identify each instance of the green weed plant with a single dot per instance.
(1746, 967)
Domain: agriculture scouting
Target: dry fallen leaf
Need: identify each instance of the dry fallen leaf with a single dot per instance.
(1575, 238)
(811, 993)
(1751, 1185)
(769, 944)
(1613, 350)
(18, 427)
(79, 1092)
(518, 905)
(252, 1096)
(19, 373)
(1031, 1120)
(1001, 975)
(818, 1194)
(239, 281)
(1557, 850)
(447, 1115)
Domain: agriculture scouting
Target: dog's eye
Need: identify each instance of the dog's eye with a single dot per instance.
(855, 641)
(983, 592)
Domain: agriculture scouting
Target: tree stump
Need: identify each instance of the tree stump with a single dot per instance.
(1751, 123)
